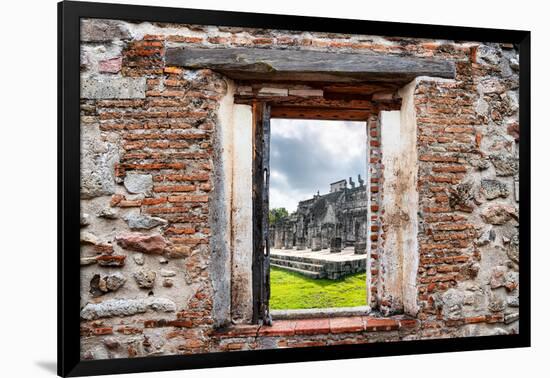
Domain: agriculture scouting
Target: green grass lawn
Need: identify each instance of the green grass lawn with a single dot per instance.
(290, 290)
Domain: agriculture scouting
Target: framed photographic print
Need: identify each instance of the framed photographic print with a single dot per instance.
(252, 188)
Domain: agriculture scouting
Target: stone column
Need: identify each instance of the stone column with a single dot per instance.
(360, 247)
(335, 245)
(300, 243)
(316, 243)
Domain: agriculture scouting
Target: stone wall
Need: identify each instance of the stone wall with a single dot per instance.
(332, 220)
(154, 252)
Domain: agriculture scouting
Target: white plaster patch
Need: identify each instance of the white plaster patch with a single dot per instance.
(241, 211)
(409, 198)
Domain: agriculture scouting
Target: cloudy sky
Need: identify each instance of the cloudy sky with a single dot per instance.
(307, 155)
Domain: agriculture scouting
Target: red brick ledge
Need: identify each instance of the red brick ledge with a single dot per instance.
(319, 326)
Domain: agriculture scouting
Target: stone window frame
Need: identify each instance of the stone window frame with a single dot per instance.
(392, 219)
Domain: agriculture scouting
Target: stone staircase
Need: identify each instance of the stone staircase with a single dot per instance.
(318, 267)
(307, 269)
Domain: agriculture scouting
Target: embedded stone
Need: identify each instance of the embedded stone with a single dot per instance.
(100, 285)
(96, 286)
(497, 301)
(513, 299)
(513, 249)
(488, 236)
(452, 301)
(505, 164)
(462, 195)
(84, 219)
(168, 282)
(178, 251)
(84, 60)
(95, 30)
(139, 259)
(154, 243)
(109, 87)
(474, 296)
(111, 343)
(126, 307)
(492, 189)
(143, 222)
(108, 213)
(498, 277)
(112, 65)
(511, 281)
(491, 85)
(145, 278)
(111, 260)
(479, 163)
(488, 55)
(512, 101)
(84, 261)
(514, 63)
(114, 281)
(137, 183)
(97, 162)
(163, 260)
(167, 273)
(482, 107)
(499, 214)
(510, 318)
(470, 269)
(89, 238)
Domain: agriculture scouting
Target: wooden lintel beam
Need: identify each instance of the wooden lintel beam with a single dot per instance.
(296, 112)
(308, 66)
(320, 102)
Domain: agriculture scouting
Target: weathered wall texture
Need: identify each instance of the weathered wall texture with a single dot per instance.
(156, 248)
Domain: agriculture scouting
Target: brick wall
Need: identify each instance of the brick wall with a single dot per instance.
(150, 155)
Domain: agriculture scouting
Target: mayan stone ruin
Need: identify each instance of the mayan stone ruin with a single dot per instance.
(167, 154)
(335, 221)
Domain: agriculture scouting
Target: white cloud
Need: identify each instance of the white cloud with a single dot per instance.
(307, 155)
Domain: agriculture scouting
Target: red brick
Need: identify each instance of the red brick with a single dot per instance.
(174, 188)
(128, 330)
(381, 324)
(188, 198)
(346, 324)
(115, 199)
(475, 319)
(408, 323)
(233, 346)
(312, 326)
(173, 70)
(102, 331)
(129, 203)
(184, 39)
(310, 343)
(438, 158)
(188, 241)
(180, 231)
(154, 201)
(279, 328)
(450, 168)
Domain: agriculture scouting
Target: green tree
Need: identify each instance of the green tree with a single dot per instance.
(277, 214)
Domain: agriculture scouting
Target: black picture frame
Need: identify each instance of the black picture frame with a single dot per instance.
(69, 15)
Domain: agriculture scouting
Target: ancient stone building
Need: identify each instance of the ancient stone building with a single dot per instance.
(168, 152)
(334, 220)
